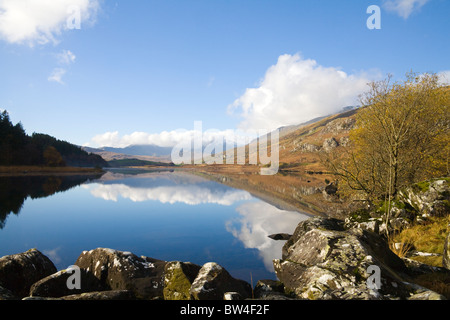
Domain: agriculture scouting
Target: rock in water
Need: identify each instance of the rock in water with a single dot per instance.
(55, 285)
(280, 236)
(118, 270)
(213, 281)
(18, 272)
(178, 278)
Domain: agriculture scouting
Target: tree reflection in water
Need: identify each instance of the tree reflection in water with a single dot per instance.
(15, 190)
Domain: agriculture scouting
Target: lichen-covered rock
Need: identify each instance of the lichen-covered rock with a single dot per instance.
(268, 288)
(213, 281)
(330, 144)
(55, 285)
(18, 272)
(339, 125)
(324, 260)
(232, 296)
(178, 278)
(428, 198)
(118, 270)
(306, 147)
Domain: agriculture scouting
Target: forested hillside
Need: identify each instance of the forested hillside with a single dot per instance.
(18, 148)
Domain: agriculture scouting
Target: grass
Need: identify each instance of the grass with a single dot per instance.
(437, 281)
(401, 248)
(428, 237)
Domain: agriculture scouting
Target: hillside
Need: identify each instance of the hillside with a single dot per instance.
(19, 149)
(302, 182)
(121, 154)
(299, 150)
(300, 146)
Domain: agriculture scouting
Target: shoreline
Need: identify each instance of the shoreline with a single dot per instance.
(16, 171)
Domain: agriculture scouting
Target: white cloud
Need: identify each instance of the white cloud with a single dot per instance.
(163, 139)
(41, 21)
(404, 8)
(66, 57)
(296, 90)
(170, 138)
(57, 75)
(444, 77)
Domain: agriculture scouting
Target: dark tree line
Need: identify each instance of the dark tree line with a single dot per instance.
(18, 148)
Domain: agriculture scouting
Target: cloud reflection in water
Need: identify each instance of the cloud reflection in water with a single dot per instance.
(259, 220)
(256, 221)
(188, 194)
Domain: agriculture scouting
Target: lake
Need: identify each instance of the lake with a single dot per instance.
(164, 215)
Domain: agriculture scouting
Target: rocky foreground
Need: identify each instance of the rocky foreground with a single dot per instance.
(322, 260)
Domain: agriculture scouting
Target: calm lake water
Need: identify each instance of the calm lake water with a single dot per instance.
(166, 215)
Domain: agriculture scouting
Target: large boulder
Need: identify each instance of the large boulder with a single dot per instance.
(118, 270)
(324, 260)
(55, 285)
(6, 294)
(213, 281)
(178, 278)
(267, 289)
(18, 272)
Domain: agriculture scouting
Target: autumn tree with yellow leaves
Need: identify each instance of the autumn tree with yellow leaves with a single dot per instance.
(401, 137)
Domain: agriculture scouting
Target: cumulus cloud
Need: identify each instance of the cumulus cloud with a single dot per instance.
(404, 8)
(42, 21)
(296, 90)
(163, 139)
(293, 91)
(171, 138)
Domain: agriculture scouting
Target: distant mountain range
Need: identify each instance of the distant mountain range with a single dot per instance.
(156, 153)
(140, 152)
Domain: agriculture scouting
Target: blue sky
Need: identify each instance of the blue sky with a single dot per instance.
(136, 71)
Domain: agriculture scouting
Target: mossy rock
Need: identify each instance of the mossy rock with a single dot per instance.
(178, 278)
